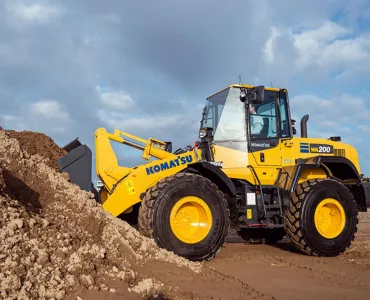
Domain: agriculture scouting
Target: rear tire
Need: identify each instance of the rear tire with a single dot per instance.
(202, 202)
(325, 231)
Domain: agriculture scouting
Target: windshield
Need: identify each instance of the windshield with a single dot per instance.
(226, 115)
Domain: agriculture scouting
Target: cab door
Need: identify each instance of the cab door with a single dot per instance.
(264, 131)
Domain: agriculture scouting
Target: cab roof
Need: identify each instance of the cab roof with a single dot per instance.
(245, 86)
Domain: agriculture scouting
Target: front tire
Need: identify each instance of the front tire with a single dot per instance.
(322, 218)
(187, 214)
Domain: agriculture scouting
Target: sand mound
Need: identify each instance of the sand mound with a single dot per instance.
(57, 239)
(38, 143)
(57, 242)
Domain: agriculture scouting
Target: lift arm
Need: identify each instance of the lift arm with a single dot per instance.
(107, 167)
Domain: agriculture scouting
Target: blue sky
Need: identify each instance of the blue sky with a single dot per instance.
(70, 67)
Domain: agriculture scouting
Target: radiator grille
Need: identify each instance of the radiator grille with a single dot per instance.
(339, 152)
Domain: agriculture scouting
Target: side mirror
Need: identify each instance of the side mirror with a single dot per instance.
(293, 127)
(254, 95)
(257, 96)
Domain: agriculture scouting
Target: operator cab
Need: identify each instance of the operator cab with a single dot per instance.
(267, 112)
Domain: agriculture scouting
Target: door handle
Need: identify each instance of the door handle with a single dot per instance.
(288, 144)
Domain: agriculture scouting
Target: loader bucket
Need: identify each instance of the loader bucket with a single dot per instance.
(78, 164)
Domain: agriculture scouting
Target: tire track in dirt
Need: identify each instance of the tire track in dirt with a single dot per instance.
(282, 272)
(259, 294)
(324, 274)
(284, 280)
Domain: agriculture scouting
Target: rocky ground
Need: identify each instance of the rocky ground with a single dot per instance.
(58, 243)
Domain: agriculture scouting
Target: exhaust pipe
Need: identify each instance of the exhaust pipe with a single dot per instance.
(304, 126)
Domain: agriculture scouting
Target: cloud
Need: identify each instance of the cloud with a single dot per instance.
(120, 100)
(364, 128)
(48, 116)
(318, 53)
(161, 66)
(32, 12)
(343, 109)
(343, 115)
(50, 109)
(13, 122)
(331, 46)
(269, 46)
(181, 128)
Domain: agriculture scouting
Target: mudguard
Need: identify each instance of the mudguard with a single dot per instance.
(341, 168)
(216, 175)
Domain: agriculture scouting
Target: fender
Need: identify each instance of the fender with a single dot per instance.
(341, 168)
(214, 174)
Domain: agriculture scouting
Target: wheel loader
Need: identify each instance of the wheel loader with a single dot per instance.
(248, 170)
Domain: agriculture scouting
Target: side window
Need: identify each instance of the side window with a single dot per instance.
(285, 132)
(263, 121)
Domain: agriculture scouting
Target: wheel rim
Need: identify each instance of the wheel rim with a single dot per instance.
(191, 219)
(330, 218)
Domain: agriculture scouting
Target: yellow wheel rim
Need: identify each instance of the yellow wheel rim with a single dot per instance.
(190, 220)
(330, 218)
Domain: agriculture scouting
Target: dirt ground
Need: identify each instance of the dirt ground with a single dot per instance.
(58, 243)
(280, 272)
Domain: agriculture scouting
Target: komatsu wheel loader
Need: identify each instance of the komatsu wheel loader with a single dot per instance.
(247, 170)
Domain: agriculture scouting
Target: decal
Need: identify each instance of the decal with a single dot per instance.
(216, 163)
(321, 148)
(251, 199)
(169, 164)
(305, 148)
(130, 187)
(316, 148)
(249, 213)
(262, 145)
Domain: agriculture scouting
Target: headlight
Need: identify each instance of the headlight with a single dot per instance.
(202, 133)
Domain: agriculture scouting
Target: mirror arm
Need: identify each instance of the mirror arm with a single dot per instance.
(253, 95)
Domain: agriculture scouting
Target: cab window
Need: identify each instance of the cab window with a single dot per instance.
(262, 118)
(285, 129)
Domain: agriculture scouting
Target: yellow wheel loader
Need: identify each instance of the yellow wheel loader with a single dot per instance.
(247, 170)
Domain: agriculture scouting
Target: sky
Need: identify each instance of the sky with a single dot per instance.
(145, 67)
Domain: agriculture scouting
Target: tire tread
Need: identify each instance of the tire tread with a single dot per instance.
(293, 214)
(146, 212)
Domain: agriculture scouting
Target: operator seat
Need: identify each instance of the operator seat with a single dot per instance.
(265, 130)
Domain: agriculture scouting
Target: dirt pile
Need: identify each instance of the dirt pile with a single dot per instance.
(38, 143)
(58, 243)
